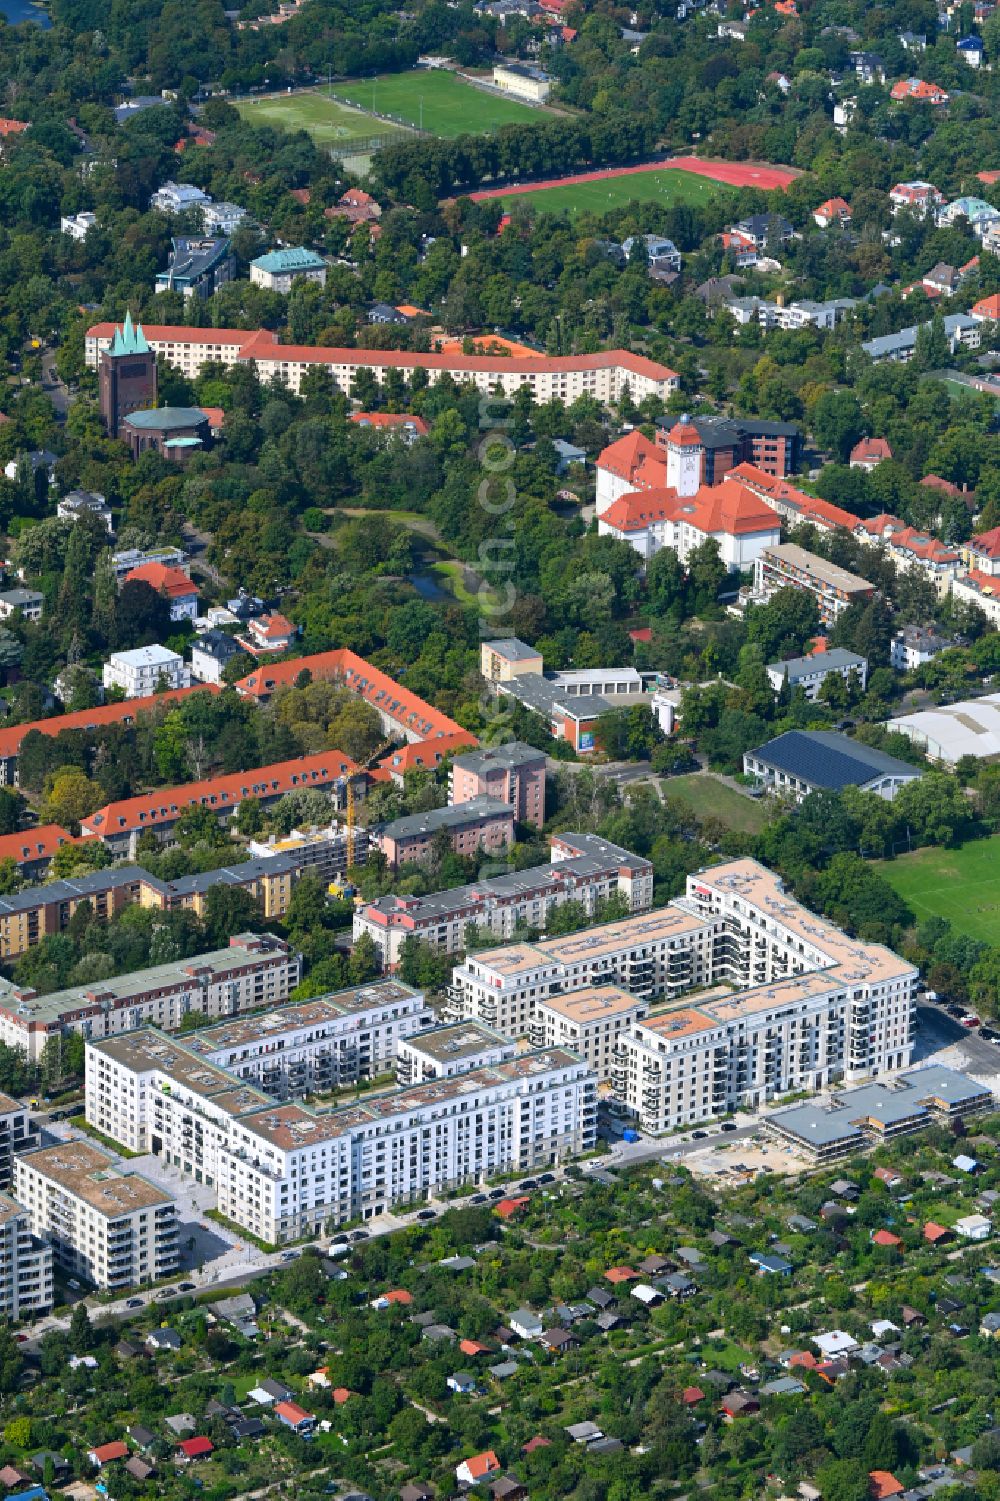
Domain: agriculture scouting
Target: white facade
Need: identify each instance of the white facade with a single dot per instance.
(222, 218)
(604, 376)
(526, 83)
(177, 197)
(820, 1006)
(255, 970)
(319, 1045)
(282, 1171)
(115, 1228)
(77, 226)
(589, 1022)
(26, 1288)
(141, 672)
(810, 673)
(585, 869)
(443, 1052)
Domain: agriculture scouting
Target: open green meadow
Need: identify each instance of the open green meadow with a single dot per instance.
(327, 121)
(707, 797)
(961, 884)
(436, 101)
(666, 186)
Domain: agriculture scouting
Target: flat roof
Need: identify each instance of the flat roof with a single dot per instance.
(160, 977)
(457, 1040)
(831, 660)
(881, 1104)
(756, 886)
(651, 927)
(970, 727)
(817, 567)
(289, 1127)
(449, 817)
(592, 1004)
(238, 1031)
(88, 1173)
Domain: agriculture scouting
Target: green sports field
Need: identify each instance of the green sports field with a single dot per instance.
(437, 101)
(962, 885)
(329, 123)
(665, 186)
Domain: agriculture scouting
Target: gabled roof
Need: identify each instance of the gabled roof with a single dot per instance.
(482, 1464)
(986, 544)
(729, 508)
(197, 1447)
(173, 582)
(636, 460)
(826, 759)
(155, 809)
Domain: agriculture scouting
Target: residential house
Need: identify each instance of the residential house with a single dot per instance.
(279, 270)
(738, 1404)
(971, 50)
(191, 1449)
(869, 453)
(476, 1468)
(294, 1417)
(197, 266)
(660, 254)
(834, 211)
(173, 583)
(914, 645)
(142, 672)
(918, 89)
(921, 198)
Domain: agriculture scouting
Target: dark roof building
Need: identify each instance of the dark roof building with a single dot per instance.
(175, 432)
(197, 266)
(804, 761)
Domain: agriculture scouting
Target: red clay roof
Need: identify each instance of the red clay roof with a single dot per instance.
(507, 1208)
(271, 627)
(173, 582)
(808, 507)
(39, 843)
(882, 1484)
(292, 1412)
(12, 127)
(635, 459)
(616, 1274)
(196, 1447)
(262, 344)
(871, 451)
(934, 1232)
(399, 1295)
(473, 1347)
(94, 719)
(427, 753)
(692, 1394)
(341, 1394)
(730, 508)
(986, 544)
(834, 208)
(391, 419)
(886, 1238)
(411, 713)
(104, 1453)
(482, 1464)
(154, 809)
(538, 1442)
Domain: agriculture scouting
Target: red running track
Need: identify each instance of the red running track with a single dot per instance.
(734, 174)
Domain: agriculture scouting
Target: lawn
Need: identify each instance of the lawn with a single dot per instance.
(961, 884)
(436, 101)
(328, 122)
(707, 797)
(664, 185)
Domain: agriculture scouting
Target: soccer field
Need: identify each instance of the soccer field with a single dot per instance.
(961, 884)
(438, 102)
(329, 123)
(666, 186)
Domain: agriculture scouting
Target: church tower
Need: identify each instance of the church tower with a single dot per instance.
(126, 375)
(685, 458)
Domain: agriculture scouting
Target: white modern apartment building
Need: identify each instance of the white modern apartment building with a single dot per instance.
(18, 1133)
(114, 1228)
(26, 1289)
(454, 1048)
(819, 1006)
(661, 953)
(318, 1045)
(145, 670)
(589, 1022)
(255, 970)
(605, 375)
(282, 1170)
(585, 868)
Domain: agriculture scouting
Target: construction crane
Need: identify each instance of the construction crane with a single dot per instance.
(338, 887)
